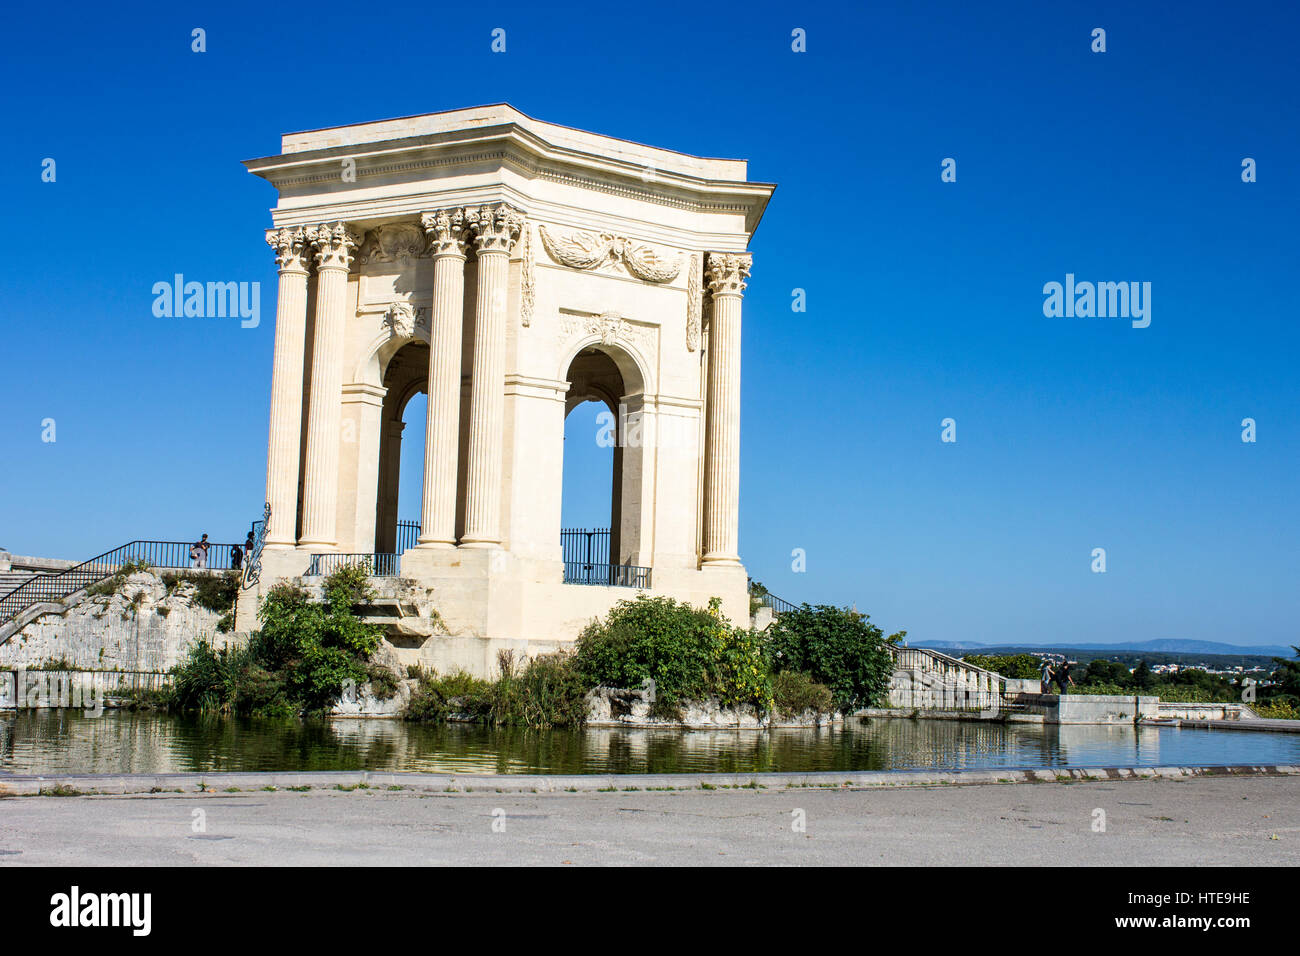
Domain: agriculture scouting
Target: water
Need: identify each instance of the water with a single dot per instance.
(51, 742)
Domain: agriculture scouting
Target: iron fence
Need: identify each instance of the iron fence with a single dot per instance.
(585, 546)
(378, 565)
(408, 535)
(49, 588)
(778, 606)
(611, 575)
(587, 560)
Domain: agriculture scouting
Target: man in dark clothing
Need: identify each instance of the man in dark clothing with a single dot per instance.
(236, 557)
(1063, 677)
(199, 553)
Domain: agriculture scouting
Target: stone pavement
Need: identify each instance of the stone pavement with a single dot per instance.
(1251, 820)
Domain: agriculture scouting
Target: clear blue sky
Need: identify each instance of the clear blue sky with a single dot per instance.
(924, 299)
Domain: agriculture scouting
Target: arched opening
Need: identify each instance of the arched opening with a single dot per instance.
(600, 500)
(401, 449)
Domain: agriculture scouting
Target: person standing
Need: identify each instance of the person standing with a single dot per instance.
(199, 553)
(1045, 671)
(1063, 678)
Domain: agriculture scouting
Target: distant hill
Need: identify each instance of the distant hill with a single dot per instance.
(1161, 646)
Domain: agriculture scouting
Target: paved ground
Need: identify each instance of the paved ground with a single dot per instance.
(1193, 821)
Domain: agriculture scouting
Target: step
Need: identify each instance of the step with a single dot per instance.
(13, 579)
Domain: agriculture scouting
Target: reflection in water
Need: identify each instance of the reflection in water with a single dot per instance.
(117, 742)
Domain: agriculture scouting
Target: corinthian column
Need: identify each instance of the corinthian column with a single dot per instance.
(283, 445)
(495, 229)
(726, 274)
(448, 234)
(335, 246)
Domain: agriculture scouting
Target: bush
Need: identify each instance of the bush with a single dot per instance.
(1276, 710)
(836, 647)
(111, 584)
(651, 639)
(1015, 666)
(795, 693)
(298, 662)
(383, 682)
(741, 673)
(435, 698)
(548, 692)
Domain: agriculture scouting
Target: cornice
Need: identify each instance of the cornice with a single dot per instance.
(510, 145)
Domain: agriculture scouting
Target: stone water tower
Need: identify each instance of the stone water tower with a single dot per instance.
(510, 269)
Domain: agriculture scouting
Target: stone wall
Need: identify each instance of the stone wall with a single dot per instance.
(614, 707)
(140, 627)
(1090, 708)
(1184, 711)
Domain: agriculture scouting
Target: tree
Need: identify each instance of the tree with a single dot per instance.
(1142, 676)
(836, 647)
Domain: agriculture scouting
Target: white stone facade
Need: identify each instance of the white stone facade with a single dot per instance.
(510, 269)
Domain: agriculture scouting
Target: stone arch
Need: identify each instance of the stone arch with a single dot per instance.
(403, 364)
(611, 374)
(634, 367)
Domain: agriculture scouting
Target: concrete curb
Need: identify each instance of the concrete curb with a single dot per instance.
(105, 784)
(1257, 724)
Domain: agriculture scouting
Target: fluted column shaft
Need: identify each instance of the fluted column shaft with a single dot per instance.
(284, 442)
(335, 246)
(726, 274)
(448, 233)
(495, 229)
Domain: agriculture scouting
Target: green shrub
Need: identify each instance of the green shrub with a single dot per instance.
(741, 673)
(1015, 666)
(111, 584)
(383, 682)
(435, 698)
(216, 592)
(794, 693)
(548, 692)
(651, 638)
(1276, 710)
(836, 647)
(298, 662)
(1173, 693)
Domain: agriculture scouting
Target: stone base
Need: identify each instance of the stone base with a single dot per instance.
(457, 608)
(1091, 708)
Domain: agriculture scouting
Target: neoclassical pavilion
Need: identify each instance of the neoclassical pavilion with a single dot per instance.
(509, 269)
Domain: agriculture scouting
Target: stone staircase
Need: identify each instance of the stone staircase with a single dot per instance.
(34, 594)
(10, 580)
(930, 680)
(924, 679)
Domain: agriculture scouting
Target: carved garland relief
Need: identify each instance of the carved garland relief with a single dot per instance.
(589, 250)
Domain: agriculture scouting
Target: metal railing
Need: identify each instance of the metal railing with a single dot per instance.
(778, 606)
(408, 535)
(587, 560)
(50, 588)
(379, 565)
(585, 546)
(610, 575)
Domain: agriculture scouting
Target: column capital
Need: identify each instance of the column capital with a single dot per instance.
(726, 272)
(290, 245)
(448, 232)
(335, 244)
(495, 226)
